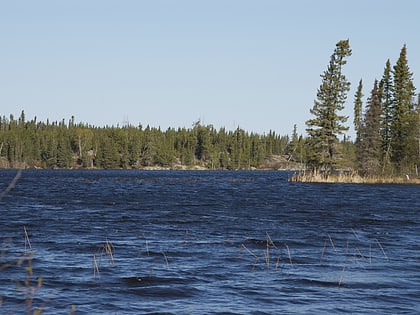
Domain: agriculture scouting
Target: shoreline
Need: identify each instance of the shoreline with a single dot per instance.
(352, 179)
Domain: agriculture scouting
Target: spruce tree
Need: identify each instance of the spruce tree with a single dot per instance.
(358, 113)
(385, 89)
(292, 145)
(328, 123)
(403, 125)
(358, 105)
(370, 142)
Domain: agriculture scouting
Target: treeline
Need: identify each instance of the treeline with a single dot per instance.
(32, 144)
(387, 135)
(387, 128)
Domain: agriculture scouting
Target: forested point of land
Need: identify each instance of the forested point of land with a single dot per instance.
(69, 145)
(387, 144)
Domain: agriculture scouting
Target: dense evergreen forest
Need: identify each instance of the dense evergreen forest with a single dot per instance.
(387, 127)
(32, 144)
(387, 135)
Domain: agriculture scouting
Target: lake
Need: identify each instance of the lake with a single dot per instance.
(206, 242)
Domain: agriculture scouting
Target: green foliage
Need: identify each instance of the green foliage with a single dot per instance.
(369, 143)
(328, 123)
(60, 145)
(404, 118)
(391, 119)
(385, 89)
(387, 135)
(358, 106)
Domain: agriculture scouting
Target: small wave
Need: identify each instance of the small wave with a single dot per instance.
(154, 281)
(320, 283)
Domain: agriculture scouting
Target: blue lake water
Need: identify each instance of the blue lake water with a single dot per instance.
(207, 242)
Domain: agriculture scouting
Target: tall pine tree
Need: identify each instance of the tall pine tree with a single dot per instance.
(386, 87)
(403, 125)
(328, 123)
(358, 116)
(369, 151)
(358, 106)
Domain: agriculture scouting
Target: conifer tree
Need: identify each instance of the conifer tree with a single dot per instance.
(370, 142)
(328, 123)
(404, 122)
(293, 144)
(385, 89)
(358, 106)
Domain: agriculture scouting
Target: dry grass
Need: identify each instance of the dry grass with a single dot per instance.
(109, 248)
(309, 177)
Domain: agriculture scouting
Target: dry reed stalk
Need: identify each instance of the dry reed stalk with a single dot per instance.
(277, 262)
(249, 251)
(382, 249)
(288, 252)
(370, 253)
(252, 254)
(95, 267)
(332, 244)
(267, 250)
(147, 248)
(267, 256)
(27, 241)
(166, 260)
(361, 255)
(344, 265)
(270, 240)
(109, 249)
(355, 234)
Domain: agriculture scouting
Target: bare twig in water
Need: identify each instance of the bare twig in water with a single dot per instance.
(344, 265)
(277, 262)
(382, 249)
(95, 267)
(288, 252)
(270, 240)
(360, 254)
(249, 251)
(354, 232)
(267, 253)
(332, 244)
(267, 256)
(27, 241)
(109, 248)
(166, 260)
(252, 254)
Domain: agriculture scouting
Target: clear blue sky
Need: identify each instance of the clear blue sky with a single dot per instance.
(252, 64)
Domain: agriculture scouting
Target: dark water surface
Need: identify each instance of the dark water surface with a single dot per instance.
(197, 242)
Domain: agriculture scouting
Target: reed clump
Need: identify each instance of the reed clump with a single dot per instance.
(352, 255)
(351, 178)
(270, 250)
(105, 249)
